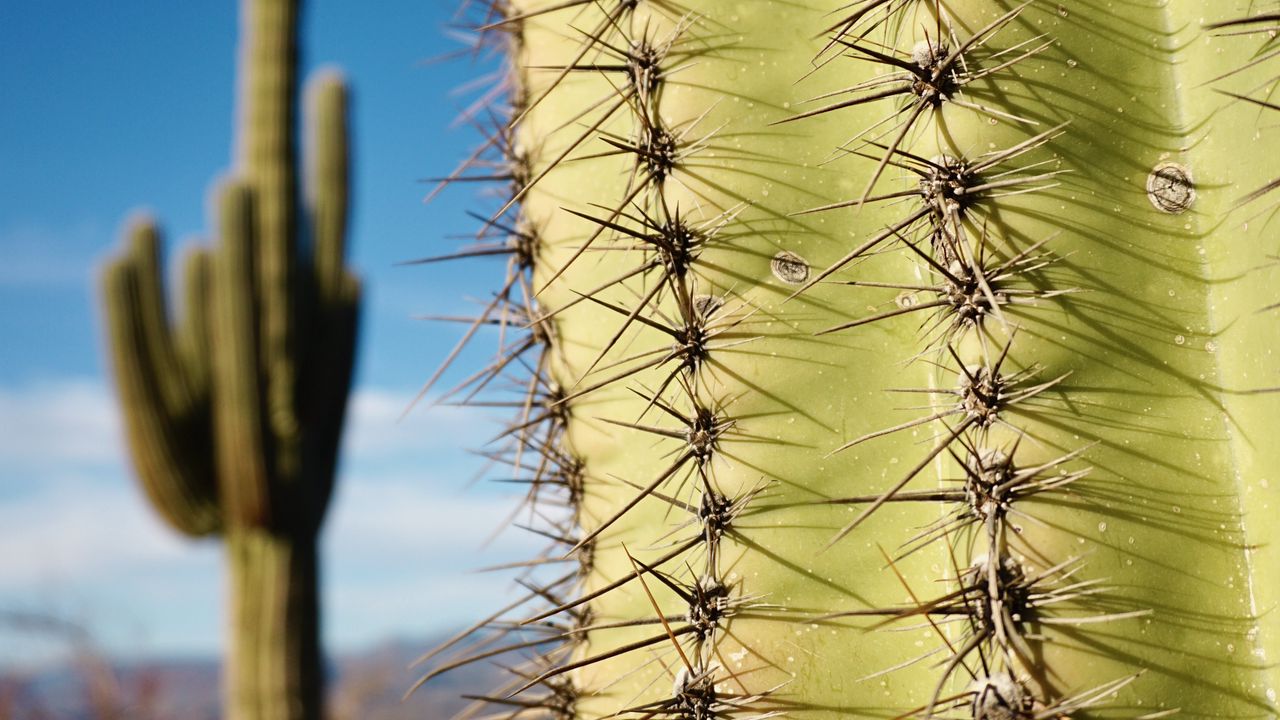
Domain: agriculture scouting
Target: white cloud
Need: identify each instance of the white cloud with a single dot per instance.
(383, 424)
(81, 536)
(405, 534)
(399, 544)
(402, 559)
(433, 519)
(56, 426)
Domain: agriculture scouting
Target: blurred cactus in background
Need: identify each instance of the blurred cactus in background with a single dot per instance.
(234, 412)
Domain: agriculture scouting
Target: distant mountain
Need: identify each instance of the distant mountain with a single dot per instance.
(364, 686)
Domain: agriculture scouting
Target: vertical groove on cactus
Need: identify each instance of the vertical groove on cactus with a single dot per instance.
(906, 358)
(234, 415)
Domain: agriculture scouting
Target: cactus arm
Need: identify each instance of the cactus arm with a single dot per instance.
(194, 332)
(325, 403)
(145, 252)
(327, 164)
(335, 314)
(163, 414)
(241, 430)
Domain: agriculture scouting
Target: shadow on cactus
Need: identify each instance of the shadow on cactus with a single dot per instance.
(885, 358)
(234, 409)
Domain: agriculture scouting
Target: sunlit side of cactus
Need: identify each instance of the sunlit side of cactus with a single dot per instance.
(233, 413)
(887, 358)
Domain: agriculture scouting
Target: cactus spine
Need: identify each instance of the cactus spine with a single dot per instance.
(892, 358)
(233, 414)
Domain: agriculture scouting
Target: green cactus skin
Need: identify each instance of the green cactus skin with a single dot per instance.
(892, 358)
(233, 415)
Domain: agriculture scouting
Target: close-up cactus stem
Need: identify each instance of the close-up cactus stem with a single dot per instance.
(882, 358)
(233, 411)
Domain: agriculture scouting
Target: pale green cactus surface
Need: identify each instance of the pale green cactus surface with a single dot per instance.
(886, 358)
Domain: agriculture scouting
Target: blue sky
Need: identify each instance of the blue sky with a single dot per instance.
(112, 107)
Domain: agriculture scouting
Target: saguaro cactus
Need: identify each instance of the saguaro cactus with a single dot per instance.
(892, 358)
(233, 414)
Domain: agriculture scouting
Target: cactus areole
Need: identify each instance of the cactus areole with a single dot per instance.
(233, 412)
(886, 358)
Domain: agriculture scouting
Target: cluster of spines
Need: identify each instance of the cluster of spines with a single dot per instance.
(675, 304)
(979, 275)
